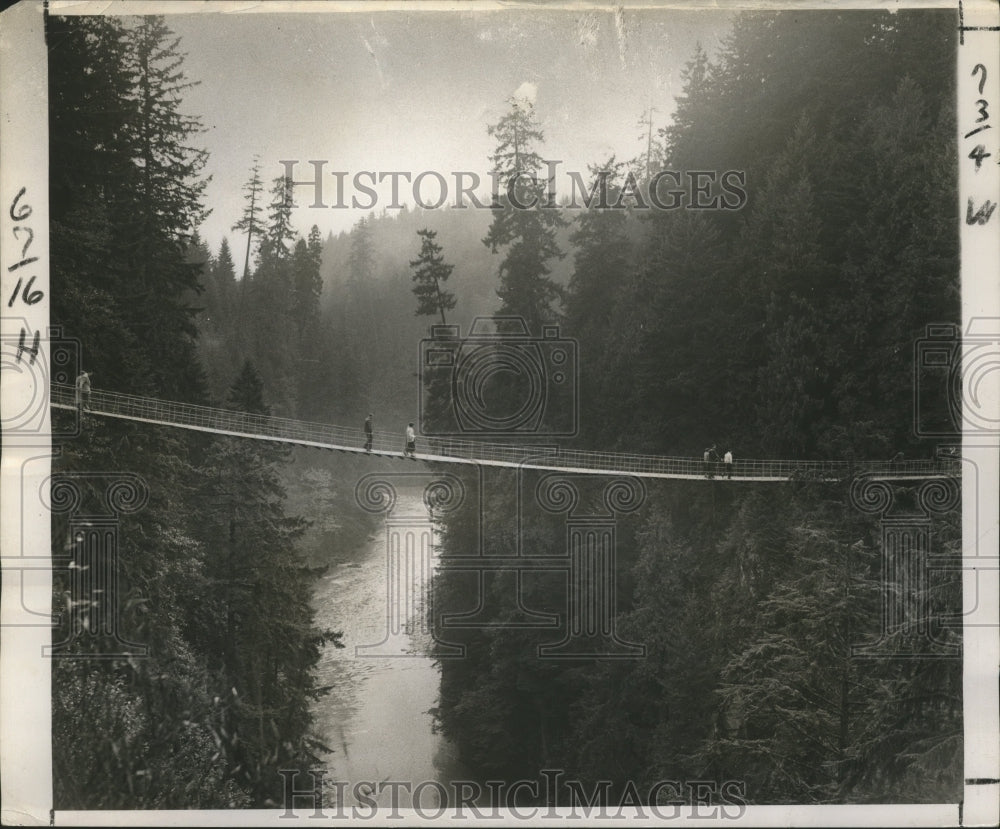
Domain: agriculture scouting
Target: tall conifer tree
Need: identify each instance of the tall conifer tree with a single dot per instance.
(525, 219)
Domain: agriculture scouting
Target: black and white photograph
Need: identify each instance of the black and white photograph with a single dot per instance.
(504, 413)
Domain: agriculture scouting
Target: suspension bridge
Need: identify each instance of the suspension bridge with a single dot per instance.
(447, 450)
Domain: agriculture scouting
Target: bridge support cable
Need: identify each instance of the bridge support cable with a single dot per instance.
(457, 450)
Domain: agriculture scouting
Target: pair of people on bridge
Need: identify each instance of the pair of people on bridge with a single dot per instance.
(409, 449)
(711, 462)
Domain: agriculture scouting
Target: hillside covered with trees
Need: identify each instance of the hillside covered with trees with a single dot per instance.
(785, 328)
(782, 327)
(199, 688)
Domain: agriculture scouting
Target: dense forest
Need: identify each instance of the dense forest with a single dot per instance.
(784, 328)
(213, 575)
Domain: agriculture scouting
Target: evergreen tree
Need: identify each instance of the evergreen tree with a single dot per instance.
(898, 268)
(251, 221)
(644, 166)
(690, 104)
(89, 146)
(223, 273)
(278, 232)
(789, 702)
(361, 264)
(308, 286)
(524, 219)
(160, 207)
(126, 200)
(266, 656)
(165, 731)
(602, 262)
(363, 296)
(430, 270)
(796, 277)
(272, 337)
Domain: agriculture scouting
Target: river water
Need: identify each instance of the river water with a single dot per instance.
(377, 717)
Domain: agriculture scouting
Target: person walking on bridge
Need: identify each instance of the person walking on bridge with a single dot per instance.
(711, 459)
(411, 443)
(368, 432)
(83, 392)
(727, 459)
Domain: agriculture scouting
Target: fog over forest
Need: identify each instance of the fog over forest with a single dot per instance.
(773, 313)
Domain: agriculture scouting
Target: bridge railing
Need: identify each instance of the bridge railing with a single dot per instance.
(259, 425)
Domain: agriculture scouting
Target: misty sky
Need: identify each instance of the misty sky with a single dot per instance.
(415, 90)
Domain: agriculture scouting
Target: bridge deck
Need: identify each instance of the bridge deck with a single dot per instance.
(448, 450)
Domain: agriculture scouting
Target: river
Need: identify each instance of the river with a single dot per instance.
(377, 717)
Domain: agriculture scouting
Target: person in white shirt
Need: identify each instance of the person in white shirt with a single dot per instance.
(727, 459)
